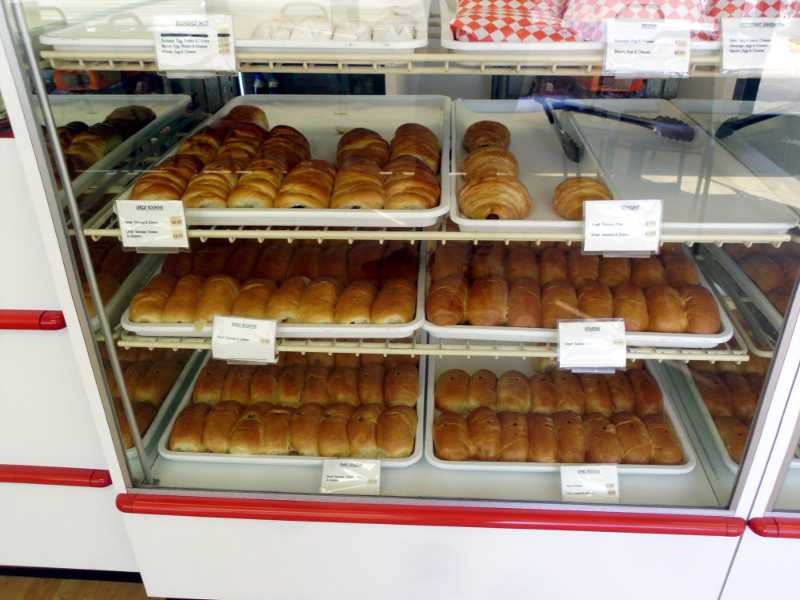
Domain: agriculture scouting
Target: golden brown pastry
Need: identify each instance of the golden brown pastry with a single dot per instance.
(666, 447)
(596, 394)
(513, 393)
(318, 302)
(451, 437)
(702, 312)
(252, 300)
(291, 380)
(264, 384)
(305, 261)
(595, 301)
(552, 265)
(559, 301)
(237, 384)
(452, 392)
(734, 435)
(401, 386)
(143, 412)
(631, 305)
(646, 272)
(602, 444)
(370, 384)
(582, 267)
(273, 263)
(622, 398)
(667, 310)
(484, 431)
(487, 302)
(364, 261)
(524, 304)
(745, 399)
(248, 114)
(315, 387)
(343, 386)
(521, 263)
(764, 271)
(571, 437)
(486, 133)
(446, 303)
(490, 161)
(362, 431)
(395, 303)
(544, 399)
(333, 261)
(333, 439)
(397, 430)
(210, 382)
(680, 270)
(187, 433)
(217, 298)
(646, 393)
(513, 436)
(304, 430)
(571, 193)
(542, 442)
(362, 144)
(156, 382)
(637, 447)
(284, 304)
(482, 389)
(450, 259)
(219, 425)
(355, 303)
(148, 305)
(569, 393)
(614, 270)
(495, 198)
(488, 260)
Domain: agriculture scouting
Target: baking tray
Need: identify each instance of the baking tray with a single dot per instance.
(440, 365)
(93, 108)
(633, 162)
(323, 119)
(448, 10)
(144, 271)
(291, 330)
(132, 29)
(187, 375)
(529, 334)
(287, 461)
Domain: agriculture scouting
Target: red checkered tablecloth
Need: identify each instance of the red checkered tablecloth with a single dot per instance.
(720, 9)
(514, 21)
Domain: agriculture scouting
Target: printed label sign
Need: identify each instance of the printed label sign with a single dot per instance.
(592, 345)
(590, 483)
(186, 43)
(348, 476)
(152, 224)
(654, 48)
(243, 340)
(757, 45)
(619, 227)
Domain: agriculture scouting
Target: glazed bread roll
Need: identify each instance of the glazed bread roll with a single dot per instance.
(181, 306)
(452, 392)
(318, 302)
(495, 198)
(484, 431)
(157, 382)
(487, 260)
(451, 438)
(513, 393)
(304, 430)
(486, 133)
(571, 437)
(596, 394)
(513, 436)
(450, 259)
(252, 300)
(237, 384)
(284, 304)
(702, 313)
(210, 382)
(744, 398)
(734, 435)
(219, 425)
(370, 384)
(187, 433)
(622, 397)
(355, 303)
(571, 193)
(582, 267)
(521, 263)
(276, 422)
(273, 263)
(487, 302)
(291, 380)
(569, 393)
(490, 161)
(148, 305)
(552, 265)
(646, 272)
(395, 303)
(637, 447)
(364, 261)
(217, 298)
(543, 395)
(680, 270)
(343, 386)
(332, 436)
(401, 386)
(614, 270)
(595, 301)
(631, 305)
(602, 444)
(667, 310)
(446, 303)
(397, 430)
(764, 271)
(264, 384)
(362, 431)
(482, 389)
(559, 301)
(315, 386)
(542, 442)
(666, 447)
(647, 396)
(524, 304)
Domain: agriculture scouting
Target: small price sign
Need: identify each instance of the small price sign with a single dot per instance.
(590, 483)
(593, 345)
(194, 43)
(652, 48)
(622, 227)
(349, 476)
(243, 340)
(152, 224)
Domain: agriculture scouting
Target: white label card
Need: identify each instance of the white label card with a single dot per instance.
(349, 476)
(243, 340)
(152, 224)
(756, 45)
(187, 43)
(655, 48)
(622, 226)
(592, 344)
(590, 483)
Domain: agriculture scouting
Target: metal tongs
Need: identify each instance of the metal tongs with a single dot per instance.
(734, 124)
(573, 150)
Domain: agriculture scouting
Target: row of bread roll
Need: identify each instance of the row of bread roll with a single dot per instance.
(294, 385)
(492, 187)
(354, 361)
(550, 392)
(278, 260)
(564, 437)
(774, 270)
(571, 193)
(112, 265)
(192, 299)
(337, 430)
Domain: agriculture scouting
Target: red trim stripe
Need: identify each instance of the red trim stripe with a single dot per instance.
(47, 320)
(440, 516)
(54, 476)
(776, 527)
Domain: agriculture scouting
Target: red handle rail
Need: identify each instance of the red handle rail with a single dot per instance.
(776, 527)
(97, 478)
(441, 516)
(42, 320)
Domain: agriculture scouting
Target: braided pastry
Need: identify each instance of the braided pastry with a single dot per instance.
(495, 198)
(572, 193)
(486, 133)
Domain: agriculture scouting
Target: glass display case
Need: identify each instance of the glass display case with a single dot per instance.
(566, 303)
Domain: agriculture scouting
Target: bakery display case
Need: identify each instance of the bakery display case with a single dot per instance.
(550, 326)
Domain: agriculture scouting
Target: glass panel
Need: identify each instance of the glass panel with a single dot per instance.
(418, 273)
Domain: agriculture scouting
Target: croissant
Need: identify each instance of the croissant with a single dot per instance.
(495, 198)
(486, 133)
(572, 193)
(490, 161)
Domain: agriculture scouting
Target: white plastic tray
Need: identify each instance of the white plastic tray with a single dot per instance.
(753, 292)
(634, 163)
(440, 365)
(530, 334)
(291, 330)
(448, 9)
(144, 271)
(93, 108)
(323, 119)
(157, 426)
(132, 29)
(287, 461)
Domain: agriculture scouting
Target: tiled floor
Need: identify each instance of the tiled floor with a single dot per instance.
(29, 588)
